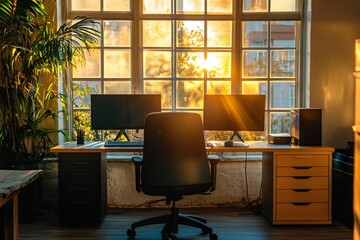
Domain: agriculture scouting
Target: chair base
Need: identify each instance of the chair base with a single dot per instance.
(171, 222)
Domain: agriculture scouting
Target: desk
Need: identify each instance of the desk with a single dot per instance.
(11, 182)
(296, 181)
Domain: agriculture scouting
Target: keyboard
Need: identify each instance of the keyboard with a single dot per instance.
(123, 144)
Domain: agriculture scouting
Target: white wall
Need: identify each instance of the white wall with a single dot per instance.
(334, 28)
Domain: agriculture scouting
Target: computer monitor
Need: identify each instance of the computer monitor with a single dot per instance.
(234, 113)
(122, 111)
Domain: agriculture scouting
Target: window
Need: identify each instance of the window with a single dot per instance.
(184, 49)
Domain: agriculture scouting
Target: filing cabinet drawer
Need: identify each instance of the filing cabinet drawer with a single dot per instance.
(304, 195)
(79, 166)
(302, 171)
(293, 160)
(302, 183)
(302, 211)
(80, 179)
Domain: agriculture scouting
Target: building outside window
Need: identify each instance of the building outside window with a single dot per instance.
(184, 49)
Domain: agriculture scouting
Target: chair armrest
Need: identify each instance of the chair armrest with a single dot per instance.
(137, 162)
(214, 160)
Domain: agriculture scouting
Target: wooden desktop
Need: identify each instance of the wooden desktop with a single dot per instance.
(296, 181)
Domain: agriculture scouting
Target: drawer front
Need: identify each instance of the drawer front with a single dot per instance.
(81, 179)
(293, 160)
(302, 171)
(302, 183)
(305, 195)
(76, 162)
(79, 166)
(305, 211)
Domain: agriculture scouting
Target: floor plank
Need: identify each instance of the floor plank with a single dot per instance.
(228, 223)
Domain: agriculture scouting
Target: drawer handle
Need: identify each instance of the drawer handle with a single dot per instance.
(81, 189)
(81, 163)
(302, 168)
(301, 190)
(303, 157)
(301, 203)
(81, 174)
(302, 177)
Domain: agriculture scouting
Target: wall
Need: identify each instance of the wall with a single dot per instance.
(334, 27)
(230, 188)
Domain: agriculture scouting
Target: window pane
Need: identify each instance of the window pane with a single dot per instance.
(282, 5)
(160, 87)
(157, 33)
(283, 63)
(189, 94)
(282, 94)
(255, 5)
(157, 64)
(117, 33)
(219, 6)
(156, 6)
(85, 5)
(117, 5)
(219, 33)
(83, 119)
(255, 34)
(255, 87)
(255, 63)
(189, 64)
(218, 64)
(117, 64)
(190, 6)
(96, 26)
(190, 33)
(279, 122)
(218, 87)
(91, 69)
(81, 92)
(283, 34)
(117, 87)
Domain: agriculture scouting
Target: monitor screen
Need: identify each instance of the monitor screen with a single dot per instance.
(234, 112)
(122, 111)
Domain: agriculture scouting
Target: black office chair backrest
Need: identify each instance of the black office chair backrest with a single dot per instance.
(174, 151)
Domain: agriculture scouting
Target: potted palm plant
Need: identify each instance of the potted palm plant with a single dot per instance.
(32, 53)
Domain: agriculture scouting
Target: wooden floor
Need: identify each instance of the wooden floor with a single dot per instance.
(228, 223)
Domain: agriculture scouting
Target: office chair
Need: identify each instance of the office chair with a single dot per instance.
(174, 164)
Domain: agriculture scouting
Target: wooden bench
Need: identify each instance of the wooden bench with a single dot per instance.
(11, 182)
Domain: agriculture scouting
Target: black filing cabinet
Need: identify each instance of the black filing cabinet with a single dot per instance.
(82, 189)
(343, 170)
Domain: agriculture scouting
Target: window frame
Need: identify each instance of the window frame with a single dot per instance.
(237, 17)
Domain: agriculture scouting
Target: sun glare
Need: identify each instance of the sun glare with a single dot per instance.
(210, 64)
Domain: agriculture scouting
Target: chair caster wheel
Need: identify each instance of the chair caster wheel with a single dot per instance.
(213, 236)
(131, 233)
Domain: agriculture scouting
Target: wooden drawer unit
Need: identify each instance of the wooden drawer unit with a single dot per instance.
(301, 188)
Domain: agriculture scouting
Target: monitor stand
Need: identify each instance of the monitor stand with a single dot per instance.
(122, 132)
(236, 134)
